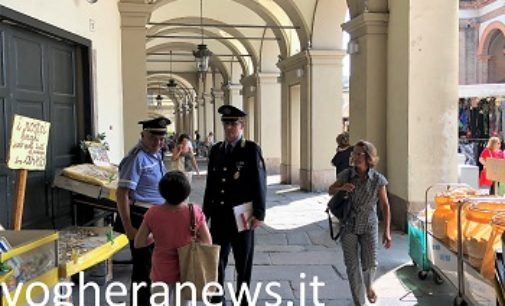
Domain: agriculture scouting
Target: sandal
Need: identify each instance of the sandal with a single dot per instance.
(371, 296)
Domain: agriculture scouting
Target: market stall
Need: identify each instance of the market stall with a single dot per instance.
(459, 227)
(45, 257)
(27, 257)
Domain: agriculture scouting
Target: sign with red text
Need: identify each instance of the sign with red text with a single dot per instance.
(28, 143)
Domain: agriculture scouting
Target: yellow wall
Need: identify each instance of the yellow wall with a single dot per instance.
(74, 16)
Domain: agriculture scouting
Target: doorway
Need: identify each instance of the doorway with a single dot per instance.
(294, 134)
(45, 77)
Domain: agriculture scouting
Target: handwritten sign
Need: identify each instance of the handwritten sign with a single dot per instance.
(28, 143)
(98, 154)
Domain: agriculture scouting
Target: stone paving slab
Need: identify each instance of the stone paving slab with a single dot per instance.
(328, 257)
(279, 248)
(260, 258)
(298, 238)
(271, 239)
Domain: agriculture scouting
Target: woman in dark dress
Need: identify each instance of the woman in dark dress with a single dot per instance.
(343, 155)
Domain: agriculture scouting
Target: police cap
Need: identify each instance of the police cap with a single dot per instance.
(156, 125)
(230, 113)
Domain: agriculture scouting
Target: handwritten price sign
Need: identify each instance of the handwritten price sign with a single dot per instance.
(28, 143)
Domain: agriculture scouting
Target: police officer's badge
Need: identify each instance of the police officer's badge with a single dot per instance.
(236, 175)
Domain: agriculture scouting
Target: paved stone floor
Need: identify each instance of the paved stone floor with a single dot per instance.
(293, 246)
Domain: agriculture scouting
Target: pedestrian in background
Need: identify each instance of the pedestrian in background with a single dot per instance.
(360, 230)
(492, 150)
(183, 157)
(342, 158)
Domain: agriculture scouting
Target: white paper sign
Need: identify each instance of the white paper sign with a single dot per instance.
(243, 215)
(98, 154)
(28, 143)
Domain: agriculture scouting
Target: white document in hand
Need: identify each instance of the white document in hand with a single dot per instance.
(243, 215)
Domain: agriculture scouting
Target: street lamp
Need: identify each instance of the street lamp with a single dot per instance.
(172, 86)
(202, 55)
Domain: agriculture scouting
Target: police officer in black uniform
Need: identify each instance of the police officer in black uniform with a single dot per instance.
(236, 175)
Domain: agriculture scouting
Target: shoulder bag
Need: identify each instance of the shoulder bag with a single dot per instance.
(198, 263)
(340, 207)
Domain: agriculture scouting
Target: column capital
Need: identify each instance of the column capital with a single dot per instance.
(218, 93)
(358, 7)
(327, 57)
(233, 87)
(134, 15)
(249, 80)
(268, 77)
(299, 60)
(367, 23)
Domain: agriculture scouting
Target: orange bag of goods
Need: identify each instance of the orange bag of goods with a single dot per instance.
(441, 216)
(477, 229)
(444, 220)
(498, 227)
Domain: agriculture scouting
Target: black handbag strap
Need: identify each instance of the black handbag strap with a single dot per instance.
(330, 222)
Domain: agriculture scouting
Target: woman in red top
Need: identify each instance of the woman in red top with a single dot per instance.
(492, 150)
(168, 226)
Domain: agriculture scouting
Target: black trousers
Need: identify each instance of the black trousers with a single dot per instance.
(141, 263)
(140, 273)
(243, 250)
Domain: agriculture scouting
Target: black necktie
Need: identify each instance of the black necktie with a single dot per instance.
(229, 148)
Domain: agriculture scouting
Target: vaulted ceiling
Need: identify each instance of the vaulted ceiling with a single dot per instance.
(245, 36)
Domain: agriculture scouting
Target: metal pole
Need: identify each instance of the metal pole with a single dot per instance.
(250, 26)
(209, 37)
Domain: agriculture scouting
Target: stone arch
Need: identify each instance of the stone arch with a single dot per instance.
(326, 32)
(491, 52)
(164, 77)
(296, 18)
(160, 29)
(182, 46)
(259, 10)
(244, 65)
(484, 40)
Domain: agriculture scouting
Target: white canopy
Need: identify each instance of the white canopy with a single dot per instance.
(481, 90)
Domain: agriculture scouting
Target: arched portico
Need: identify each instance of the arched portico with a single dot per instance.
(312, 97)
(490, 52)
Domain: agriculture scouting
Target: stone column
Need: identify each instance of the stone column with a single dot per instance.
(134, 17)
(177, 119)
(218, 128)
(368, 79)
(268, 119)
(249, 101)
(201, 104)
(422, 101)
(208, 106)
(234, 96)
(285, 166)
(319, 74)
